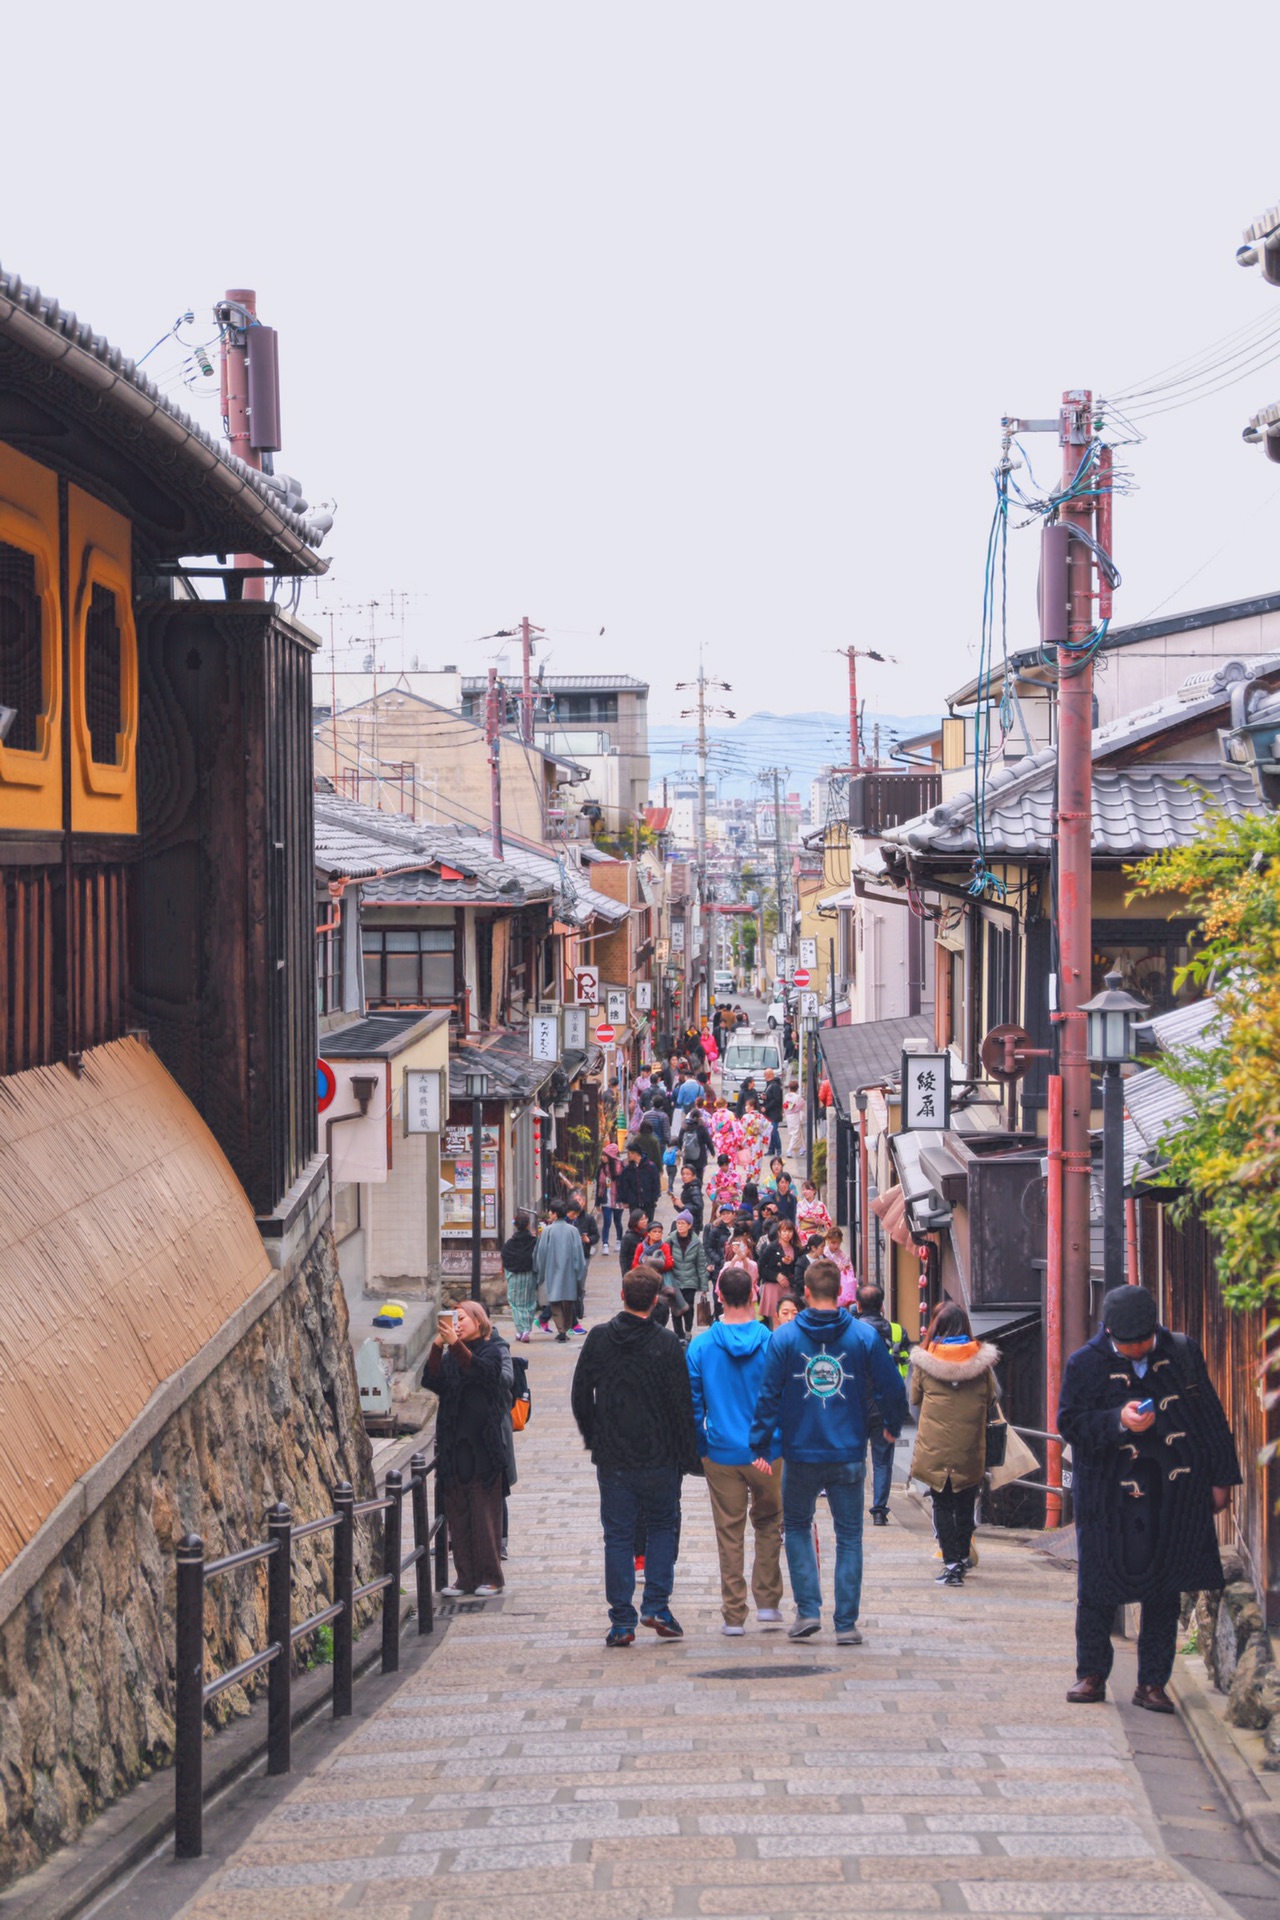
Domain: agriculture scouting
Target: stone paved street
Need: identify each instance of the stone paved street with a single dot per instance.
(935, 1769)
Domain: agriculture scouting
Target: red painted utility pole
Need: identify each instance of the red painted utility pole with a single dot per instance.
(1075, 878)
(491, 732)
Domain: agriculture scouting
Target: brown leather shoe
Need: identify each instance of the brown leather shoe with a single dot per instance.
(1154, 1699)
(1087, 1692)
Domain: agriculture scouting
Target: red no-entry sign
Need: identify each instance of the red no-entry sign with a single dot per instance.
(604, 1034)
(326, 1084)
(801, 976)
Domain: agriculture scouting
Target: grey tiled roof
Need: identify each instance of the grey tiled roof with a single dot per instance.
(863, 1055)
(569, 683)
(1136, 810)
(398, 859)
(505, 1058)
(41, 326)
(1155, 1105)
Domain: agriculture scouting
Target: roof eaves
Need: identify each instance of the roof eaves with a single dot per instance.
(42, 327)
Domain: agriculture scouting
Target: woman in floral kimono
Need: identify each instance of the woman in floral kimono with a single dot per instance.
(756, 1132)
(725, 1185)
(725, 1129)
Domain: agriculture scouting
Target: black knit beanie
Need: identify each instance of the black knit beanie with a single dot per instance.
(1129, 1313)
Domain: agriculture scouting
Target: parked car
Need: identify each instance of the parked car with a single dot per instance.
(722, 985)
(748, 1053)
(777, 1012)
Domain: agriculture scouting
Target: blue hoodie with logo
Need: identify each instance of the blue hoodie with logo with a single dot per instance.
(726, 1368)
(820, 1372)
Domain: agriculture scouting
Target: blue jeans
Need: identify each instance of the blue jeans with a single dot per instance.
(626, 1497)
(802, 1482)
(882, 1465)
(611, 1217)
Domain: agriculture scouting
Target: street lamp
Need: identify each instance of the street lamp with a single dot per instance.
(809, 1027)
(476, 1081)
(1112, 1016)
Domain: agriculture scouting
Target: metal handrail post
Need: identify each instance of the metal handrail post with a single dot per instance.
(422, 1541)
(442, 1532)
(344, 1627)
(280, 1630)
(188, 1748)
(391, 1539)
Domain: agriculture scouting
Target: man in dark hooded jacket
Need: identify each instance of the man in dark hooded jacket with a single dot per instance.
(1153, 1461)
(634, 1409)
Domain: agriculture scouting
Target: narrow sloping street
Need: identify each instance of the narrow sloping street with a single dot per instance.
(937, 1768)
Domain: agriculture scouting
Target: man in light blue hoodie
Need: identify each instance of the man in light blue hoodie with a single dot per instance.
(822, 1372)
(726, 1370)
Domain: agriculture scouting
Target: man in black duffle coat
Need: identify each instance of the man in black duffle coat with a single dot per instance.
(1147, 1486)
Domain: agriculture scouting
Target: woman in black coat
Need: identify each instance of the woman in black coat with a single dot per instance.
(1148, 1481)
(783, 1263)
(465, 1368)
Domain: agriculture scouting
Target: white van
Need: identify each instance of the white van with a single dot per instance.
(749, 1054)
(722, 985)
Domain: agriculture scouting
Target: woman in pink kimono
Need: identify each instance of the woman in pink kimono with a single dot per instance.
(725, 1130)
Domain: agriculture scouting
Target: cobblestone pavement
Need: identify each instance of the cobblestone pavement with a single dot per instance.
(936, 1769)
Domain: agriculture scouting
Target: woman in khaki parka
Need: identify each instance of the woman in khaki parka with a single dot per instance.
(953, 1383)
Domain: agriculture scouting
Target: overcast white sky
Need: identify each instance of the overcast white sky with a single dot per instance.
(693, 321)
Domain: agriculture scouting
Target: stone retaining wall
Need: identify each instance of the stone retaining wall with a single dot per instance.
(1232, 1640)
(86, 1659)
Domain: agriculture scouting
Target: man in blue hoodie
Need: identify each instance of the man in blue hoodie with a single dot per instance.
(726, 1371)
(821, 1372)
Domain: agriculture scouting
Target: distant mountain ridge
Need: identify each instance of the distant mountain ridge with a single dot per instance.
(802, 742)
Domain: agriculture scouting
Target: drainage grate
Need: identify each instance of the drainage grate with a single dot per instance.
(472, 1603)
(747, 1672)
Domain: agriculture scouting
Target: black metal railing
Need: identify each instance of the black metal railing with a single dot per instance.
(193, 1691)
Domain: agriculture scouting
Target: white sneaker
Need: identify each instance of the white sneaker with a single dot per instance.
(734, 1633)
(454, 1593)
(849, 1637)
(485, 1593)
(803, 1628)
(770, 1619)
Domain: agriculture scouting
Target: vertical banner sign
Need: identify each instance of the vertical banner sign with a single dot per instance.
(644, 996)
(926, 1092)
(586, 986)
(575, 1029)
(808, 953)
(616, 1006)
(677, 936)
(808, 1006)
(544, 1037)
(422, 1102)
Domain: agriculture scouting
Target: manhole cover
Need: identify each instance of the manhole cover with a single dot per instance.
(746, 1672)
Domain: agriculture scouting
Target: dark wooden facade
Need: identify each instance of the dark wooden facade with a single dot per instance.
(1180, 1264)
(224, 940)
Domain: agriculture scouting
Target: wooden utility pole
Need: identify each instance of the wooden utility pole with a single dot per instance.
(1075, 872)
(492, 732)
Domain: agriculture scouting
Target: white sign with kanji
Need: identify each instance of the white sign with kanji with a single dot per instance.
(422, 1103)
(808, 1006)
(644, 996)
(586, 986)
(808, 953)
(616, 1006)
(544, 1037)
(575, 1029)
(926, 1092)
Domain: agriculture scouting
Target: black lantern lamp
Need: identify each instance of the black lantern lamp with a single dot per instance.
(1112, 1016)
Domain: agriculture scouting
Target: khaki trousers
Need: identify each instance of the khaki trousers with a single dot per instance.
(737, 1492)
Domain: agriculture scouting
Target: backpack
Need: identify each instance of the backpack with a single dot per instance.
(521, 1394)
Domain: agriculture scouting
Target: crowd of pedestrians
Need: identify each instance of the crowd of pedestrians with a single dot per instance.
(748, 1353)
